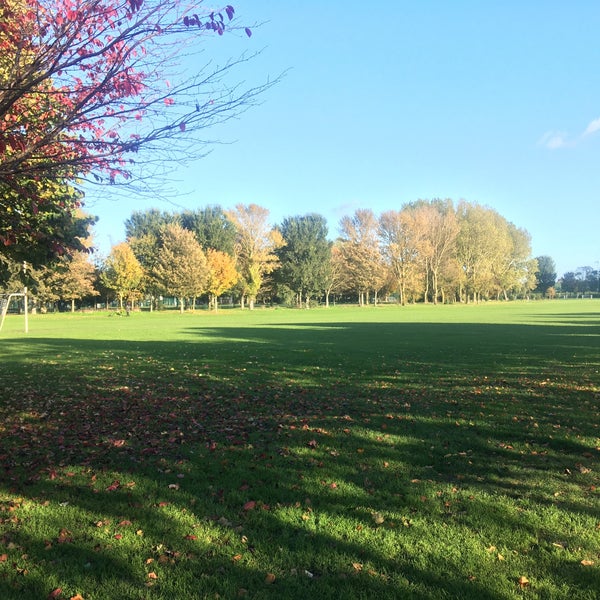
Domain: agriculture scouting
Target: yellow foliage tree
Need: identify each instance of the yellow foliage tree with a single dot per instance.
(123, 273)
(222, 275)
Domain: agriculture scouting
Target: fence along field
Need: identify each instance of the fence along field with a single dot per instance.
(419, 452)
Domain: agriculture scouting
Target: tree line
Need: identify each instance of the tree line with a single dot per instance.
(432, 251)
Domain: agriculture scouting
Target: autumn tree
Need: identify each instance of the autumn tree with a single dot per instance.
(221, 275)
(437, 229)
(513, 268)
(401, 246)
(335, 275)
(255, 246)
(74, 278)
(91, 90)
(143, 233)
(123, 273)
(181, 267)
(360, 248)
(304, 257)
(493, 254)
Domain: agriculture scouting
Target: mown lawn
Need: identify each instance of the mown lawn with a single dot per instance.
(416, 452)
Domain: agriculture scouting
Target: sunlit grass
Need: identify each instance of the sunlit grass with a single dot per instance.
(418, 452)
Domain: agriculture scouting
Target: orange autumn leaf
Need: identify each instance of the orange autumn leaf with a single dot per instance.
(152, 575)
(270, 578)
(76, 597)
(523, 581)
(587, 563)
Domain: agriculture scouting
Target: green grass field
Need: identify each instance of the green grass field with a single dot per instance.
(416, 452)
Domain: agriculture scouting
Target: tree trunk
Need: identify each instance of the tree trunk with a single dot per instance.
(181, 305)
(72, 305)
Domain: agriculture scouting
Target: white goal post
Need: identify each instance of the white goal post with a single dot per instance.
(5, 303)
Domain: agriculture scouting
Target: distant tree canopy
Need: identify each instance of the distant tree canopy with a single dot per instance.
(426, 251)
(584, 280)
(212, 228)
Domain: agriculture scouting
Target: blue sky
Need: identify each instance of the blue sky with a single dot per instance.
(494, 103)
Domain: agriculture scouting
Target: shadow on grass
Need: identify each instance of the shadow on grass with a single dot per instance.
(459, 435)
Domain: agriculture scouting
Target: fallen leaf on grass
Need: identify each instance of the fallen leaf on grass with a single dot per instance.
(378, 518)
(152, 575)
(523, 581)
(587, 563)
(64, 537)
(250, 505)
(270, 578)
(55, 593)
(76, 597)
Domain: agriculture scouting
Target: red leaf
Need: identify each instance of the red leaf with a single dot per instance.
(250, 505)
(55, 593)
